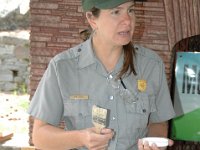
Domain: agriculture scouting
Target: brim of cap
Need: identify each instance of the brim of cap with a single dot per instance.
(106, 4)
(111, 4)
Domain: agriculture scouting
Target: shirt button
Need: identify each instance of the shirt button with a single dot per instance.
(111, 97)
(110, 76)
(113, 118)
(79, 50)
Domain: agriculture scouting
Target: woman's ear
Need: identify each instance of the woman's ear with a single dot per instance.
(91, 20)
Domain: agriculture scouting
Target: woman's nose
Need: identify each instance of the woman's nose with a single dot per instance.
(127, 18)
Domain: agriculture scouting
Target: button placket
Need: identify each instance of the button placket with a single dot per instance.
(111, 97)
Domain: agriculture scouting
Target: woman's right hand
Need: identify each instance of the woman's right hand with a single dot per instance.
(95, 141)
(145, 145)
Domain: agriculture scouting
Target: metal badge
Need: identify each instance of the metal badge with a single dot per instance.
(142, 85)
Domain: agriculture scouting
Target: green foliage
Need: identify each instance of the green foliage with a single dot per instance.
(24, 104)
(21, 89)
(14, 20)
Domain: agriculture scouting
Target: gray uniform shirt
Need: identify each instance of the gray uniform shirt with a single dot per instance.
(75, 80)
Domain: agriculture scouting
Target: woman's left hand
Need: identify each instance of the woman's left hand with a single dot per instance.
(145, 145)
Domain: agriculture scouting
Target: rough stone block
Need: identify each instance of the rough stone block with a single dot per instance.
(21, 52)
(6, 76)
(18, 79)
(1, 85)
(10, 86)
(6, 49)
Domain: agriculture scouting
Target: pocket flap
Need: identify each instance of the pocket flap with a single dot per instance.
(76, 108)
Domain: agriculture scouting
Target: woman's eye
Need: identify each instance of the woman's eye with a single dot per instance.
(131, 10)
(115, 12)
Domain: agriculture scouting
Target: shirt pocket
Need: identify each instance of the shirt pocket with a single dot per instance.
(77, 114)
(140, 110)
(137, 116)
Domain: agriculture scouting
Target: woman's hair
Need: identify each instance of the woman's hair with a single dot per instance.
(129, 52)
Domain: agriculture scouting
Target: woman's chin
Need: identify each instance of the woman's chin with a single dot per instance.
(125, 42)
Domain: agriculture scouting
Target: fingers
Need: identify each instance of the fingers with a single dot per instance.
(98, 141)
(145, 146)
(140, 145)
(154, 147)
(108, 131)
(170, 142)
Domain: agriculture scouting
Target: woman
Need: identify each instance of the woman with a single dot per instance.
(107, 72)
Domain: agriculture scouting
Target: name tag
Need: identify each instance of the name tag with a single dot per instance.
(79, 97)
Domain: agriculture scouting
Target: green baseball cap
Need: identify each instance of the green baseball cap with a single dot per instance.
(101, 4)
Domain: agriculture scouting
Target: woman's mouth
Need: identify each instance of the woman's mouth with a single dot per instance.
(124, 33)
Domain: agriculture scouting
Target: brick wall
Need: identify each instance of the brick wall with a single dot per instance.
(151, 29)
(55, 26)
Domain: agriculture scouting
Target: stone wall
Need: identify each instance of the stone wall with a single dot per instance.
(14, 64)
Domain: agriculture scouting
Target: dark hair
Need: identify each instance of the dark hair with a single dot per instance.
(129, 52)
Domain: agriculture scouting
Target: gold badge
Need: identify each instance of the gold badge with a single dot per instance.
(142, 85)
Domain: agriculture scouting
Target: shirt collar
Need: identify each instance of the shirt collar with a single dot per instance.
(86, 56)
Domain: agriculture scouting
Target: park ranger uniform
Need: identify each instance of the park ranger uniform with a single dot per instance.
(76, 80)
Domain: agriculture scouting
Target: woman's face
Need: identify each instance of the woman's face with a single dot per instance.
(116, 26)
